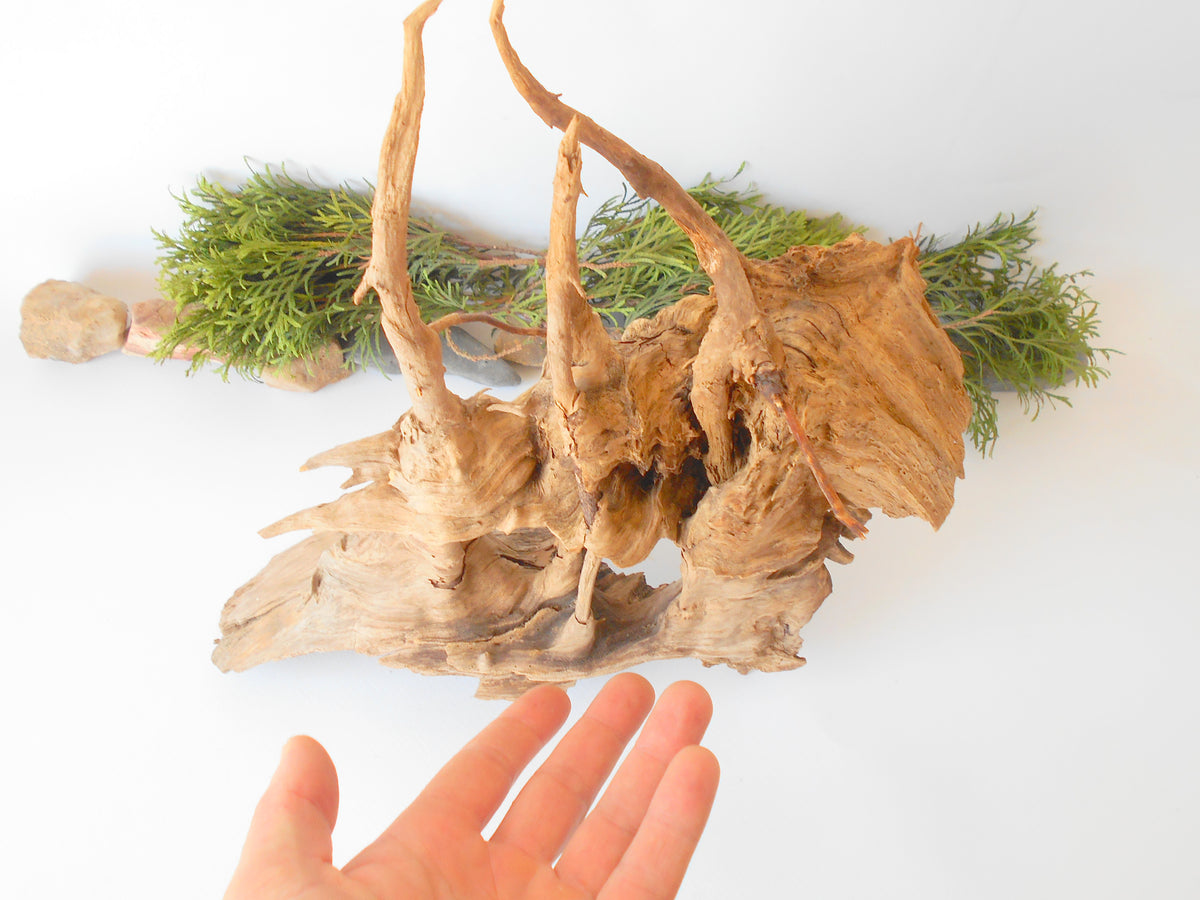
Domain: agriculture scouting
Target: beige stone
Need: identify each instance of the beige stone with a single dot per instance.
(71, 322)
(309, 375)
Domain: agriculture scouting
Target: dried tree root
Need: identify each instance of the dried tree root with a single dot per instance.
(476, 541)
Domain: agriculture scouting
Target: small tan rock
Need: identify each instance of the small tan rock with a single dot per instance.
(524, 350)
(69, 321)
(309, 375)
(149, 321)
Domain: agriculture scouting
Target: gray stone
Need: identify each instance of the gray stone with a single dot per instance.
(71, 322)
(487, 369)
(466, 357)
(360, 354)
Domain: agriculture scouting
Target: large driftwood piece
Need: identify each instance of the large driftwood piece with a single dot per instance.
(754, 426)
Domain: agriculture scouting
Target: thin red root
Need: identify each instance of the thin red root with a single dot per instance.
(843, 514)
(461, 318)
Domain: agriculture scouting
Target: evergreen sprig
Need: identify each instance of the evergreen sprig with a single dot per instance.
(1019, 326)
(265, 273)
(638, 261)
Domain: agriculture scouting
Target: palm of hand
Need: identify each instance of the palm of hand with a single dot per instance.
(636, 842)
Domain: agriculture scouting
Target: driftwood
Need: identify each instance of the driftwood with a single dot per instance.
(754, 426)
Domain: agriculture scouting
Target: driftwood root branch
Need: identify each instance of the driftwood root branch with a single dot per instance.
(754, 426)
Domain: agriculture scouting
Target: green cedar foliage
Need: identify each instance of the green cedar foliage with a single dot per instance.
(1019, 326)
(265, 273)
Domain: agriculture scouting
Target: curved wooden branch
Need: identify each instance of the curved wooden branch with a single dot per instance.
(459, 318)
(741, 342)
(580, 356)
(648, 178)
(564, 292)
(415, 344)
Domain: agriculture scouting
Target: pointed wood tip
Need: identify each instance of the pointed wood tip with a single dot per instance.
(496, 16)
(419, 15)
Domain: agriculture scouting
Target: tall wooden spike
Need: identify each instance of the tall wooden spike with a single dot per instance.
(417, 347)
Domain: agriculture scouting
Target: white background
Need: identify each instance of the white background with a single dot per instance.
(1006, 708)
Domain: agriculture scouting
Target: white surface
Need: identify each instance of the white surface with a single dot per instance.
(1005, 708)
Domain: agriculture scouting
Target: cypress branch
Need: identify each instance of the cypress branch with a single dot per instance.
(265, 273)
(1019, 326)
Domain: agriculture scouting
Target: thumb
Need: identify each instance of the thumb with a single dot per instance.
(294, 819)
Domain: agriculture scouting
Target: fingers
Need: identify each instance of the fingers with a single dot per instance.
(293, 823)
(654, 865)
(475, 782)
(679, 720)
(558, 795)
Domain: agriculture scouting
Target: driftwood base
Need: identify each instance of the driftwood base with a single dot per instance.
(468, 552)
(511, 621)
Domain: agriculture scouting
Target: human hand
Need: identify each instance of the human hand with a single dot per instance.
(635, 843)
